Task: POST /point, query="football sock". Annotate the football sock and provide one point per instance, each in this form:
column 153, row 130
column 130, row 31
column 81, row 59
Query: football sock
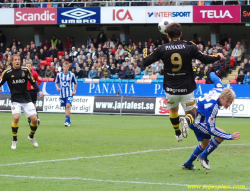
column 212, row 145
column 198, row 150
column 33, row 128
column 174, row 118
column 14, row 130
column 190, row 118
column 67, row 118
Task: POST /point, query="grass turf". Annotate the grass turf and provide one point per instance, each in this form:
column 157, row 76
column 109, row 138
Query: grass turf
column 98, row 155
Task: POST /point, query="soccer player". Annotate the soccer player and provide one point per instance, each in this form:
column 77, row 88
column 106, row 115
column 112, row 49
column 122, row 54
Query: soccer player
column 179, row 83
column 31, row 90
column 67, row 90
column 17, row 78
column 204, row 125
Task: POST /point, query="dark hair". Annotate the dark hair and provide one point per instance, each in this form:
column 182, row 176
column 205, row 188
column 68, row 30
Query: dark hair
column 174, row 30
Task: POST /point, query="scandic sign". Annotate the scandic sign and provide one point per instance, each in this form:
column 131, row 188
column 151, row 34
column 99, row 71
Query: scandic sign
column 217, row 14
column 37, row 16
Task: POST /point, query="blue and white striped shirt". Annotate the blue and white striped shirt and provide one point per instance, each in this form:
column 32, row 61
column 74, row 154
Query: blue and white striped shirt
column 208, row 107
column 67, row 82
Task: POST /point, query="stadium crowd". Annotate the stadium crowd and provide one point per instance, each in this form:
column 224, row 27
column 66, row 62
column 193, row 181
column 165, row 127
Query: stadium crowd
column 102, row 57
column 97, row 3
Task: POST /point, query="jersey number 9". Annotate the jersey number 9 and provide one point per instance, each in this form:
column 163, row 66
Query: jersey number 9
column 176, row 60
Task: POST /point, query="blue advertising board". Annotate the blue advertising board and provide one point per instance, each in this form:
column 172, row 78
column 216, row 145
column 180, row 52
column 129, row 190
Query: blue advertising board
column 132, row 89
column 78, row 15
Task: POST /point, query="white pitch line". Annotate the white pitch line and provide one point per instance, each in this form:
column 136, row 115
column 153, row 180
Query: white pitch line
column 110, row 155
column 100, row 180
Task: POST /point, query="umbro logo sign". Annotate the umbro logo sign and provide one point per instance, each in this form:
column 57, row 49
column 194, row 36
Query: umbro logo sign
column 78, row 13
column 78, row 16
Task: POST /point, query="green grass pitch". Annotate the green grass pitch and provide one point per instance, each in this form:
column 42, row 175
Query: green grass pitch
column 110, row 152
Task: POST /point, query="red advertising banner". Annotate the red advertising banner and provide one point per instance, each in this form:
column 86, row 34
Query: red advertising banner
column 217, row 14
column 35, row 16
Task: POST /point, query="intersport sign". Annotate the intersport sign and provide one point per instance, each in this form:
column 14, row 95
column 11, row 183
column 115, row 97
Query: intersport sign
column 217, row 14
column 35, row 16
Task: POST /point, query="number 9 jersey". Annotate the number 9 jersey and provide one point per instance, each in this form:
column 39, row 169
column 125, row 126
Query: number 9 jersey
column 177, row 57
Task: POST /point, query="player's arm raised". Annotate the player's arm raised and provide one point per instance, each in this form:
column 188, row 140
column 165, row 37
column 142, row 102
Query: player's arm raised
column 31, row 79
column 206, row 58
column 150, row 58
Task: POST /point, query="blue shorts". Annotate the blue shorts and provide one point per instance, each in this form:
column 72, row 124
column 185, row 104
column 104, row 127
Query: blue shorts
column 66, row 100
column 199, row 134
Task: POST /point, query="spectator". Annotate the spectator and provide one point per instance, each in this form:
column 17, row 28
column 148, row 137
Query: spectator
column 53, row 51
column 230, row 42
column 198, row 74
column 85, row 72
column 206, row 73
column 217, row 68
column 6, row 4
column 2, row 47
column 130, row 74
column 240, row 77
column 48, row 72
column 101, row 38
column 59, row 45
column 2, row 38
column 247, row 78
column 245, row 43
column 42, row 71
column 54, row 40
column 42, row 54
column 46, row 51
column 246, row 63
column 242, row 68
column 120, row 50
column 36, row 62
column 237, row 53
column 99, row 73
column 200, row 42
column 106, row 73
column 149, row 70
column 73, row 54
column 157, row 68
column 136, row 69
column 113, row 69
column 122, row 73
column 92, row 73
column 78, row 72
column 47, row 43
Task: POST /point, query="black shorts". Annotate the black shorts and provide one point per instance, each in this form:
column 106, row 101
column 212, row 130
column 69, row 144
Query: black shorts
column 33, row 95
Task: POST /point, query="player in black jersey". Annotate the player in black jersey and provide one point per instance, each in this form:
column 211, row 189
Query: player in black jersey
column 179, row 83
column 17, row 78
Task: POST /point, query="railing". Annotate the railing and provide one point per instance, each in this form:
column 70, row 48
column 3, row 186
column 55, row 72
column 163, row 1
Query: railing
column 104, row 3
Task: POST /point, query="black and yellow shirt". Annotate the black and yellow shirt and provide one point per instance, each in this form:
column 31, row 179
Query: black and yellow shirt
column 17, row 82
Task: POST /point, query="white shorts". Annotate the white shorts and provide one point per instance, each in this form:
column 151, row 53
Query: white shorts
column 28, row 108
column 188, row 101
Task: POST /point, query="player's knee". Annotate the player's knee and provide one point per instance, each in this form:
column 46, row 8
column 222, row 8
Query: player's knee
column 16, row 118
column 34, row 119
column 68, row 106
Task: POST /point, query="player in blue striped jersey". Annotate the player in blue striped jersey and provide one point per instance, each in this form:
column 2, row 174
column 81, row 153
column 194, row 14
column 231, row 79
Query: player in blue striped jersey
column 68, row 86
column 204, row 125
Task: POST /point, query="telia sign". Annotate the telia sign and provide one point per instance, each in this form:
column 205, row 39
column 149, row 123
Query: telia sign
column 36, row 16
column 217, row 14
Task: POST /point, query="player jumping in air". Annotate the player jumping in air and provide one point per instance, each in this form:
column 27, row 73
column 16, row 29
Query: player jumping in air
column 179, row 83
column 17, row 78
column 204, row 125
column 67, row 90
column 31, row 90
